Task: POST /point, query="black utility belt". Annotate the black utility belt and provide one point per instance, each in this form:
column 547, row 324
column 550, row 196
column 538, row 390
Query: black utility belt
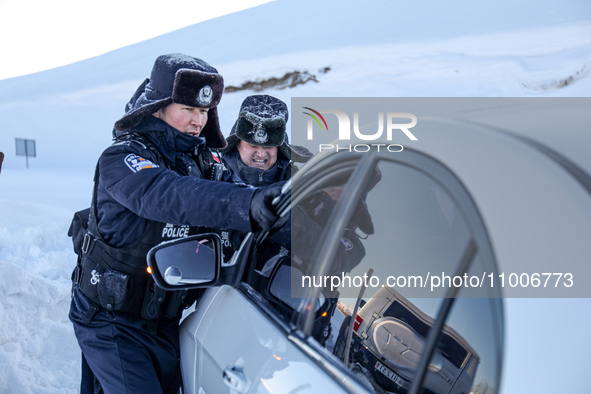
column 111, row 289
column 123, row 292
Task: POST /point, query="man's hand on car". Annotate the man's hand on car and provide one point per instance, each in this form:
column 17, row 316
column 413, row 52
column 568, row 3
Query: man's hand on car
column 262, row 210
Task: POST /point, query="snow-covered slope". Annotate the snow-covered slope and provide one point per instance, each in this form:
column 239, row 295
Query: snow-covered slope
column 296, row 26
column 383, row 49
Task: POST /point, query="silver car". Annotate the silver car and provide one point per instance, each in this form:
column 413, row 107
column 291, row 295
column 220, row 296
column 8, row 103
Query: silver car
column 451, row 224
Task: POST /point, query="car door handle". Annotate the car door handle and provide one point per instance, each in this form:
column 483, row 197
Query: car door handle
column 235, row 379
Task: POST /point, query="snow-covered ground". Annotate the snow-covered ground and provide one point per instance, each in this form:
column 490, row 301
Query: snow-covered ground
column 381, row 48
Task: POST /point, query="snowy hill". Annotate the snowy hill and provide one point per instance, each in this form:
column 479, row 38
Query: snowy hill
column 388, row 49
column 292, row 27
column 379, row 48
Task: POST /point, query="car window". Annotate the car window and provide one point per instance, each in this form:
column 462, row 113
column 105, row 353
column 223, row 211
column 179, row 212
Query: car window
column 477, row 322
column 403, row 235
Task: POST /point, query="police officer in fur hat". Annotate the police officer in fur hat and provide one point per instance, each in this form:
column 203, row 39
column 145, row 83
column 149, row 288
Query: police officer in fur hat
column 156, row 176
column 258, row 153
column 258, row 149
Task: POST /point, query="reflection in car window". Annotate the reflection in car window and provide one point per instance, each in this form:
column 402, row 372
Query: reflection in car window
column 449, row 347
column 405, row 228
column 481, row 327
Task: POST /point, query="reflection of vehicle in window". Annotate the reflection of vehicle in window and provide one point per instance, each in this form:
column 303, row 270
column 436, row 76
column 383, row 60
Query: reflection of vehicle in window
column 389, row 335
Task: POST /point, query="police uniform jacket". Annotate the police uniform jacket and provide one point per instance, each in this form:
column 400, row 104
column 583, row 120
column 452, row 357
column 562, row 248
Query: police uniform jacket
column 137, row 186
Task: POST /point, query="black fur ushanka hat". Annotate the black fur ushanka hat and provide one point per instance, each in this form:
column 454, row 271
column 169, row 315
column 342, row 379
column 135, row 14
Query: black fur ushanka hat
column 182, row 79
column 262, row 122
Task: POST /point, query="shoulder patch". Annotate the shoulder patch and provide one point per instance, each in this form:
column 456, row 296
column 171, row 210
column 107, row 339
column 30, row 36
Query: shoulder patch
column 136, row 163
column 347, row 243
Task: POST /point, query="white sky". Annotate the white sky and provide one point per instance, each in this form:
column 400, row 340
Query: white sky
column 36, row 35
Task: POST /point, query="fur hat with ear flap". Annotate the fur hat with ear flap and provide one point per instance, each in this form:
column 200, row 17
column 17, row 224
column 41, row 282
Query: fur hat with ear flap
column 182, row 79
column 262, row 122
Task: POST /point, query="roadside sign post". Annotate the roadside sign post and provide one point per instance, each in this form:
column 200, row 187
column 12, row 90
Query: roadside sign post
column 25, row 147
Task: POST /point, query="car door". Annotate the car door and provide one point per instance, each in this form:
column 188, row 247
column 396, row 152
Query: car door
column 239, row 349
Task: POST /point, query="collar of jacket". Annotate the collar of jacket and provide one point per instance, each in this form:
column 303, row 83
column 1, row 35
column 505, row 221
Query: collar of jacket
column 256, row 176
column 169, row 141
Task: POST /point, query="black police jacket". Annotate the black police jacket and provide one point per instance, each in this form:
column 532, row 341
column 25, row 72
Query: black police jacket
column 138, row 186
column 149, row 188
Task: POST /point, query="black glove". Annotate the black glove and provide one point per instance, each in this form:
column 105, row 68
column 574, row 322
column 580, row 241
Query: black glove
column 261, row 207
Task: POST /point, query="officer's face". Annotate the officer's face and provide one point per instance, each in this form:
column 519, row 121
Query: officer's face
column 257, row 156
column 184, row 118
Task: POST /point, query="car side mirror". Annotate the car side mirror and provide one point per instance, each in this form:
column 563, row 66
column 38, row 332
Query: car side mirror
column 186, row 263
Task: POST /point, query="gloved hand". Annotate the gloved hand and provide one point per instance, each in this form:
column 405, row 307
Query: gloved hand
column 261, row 206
